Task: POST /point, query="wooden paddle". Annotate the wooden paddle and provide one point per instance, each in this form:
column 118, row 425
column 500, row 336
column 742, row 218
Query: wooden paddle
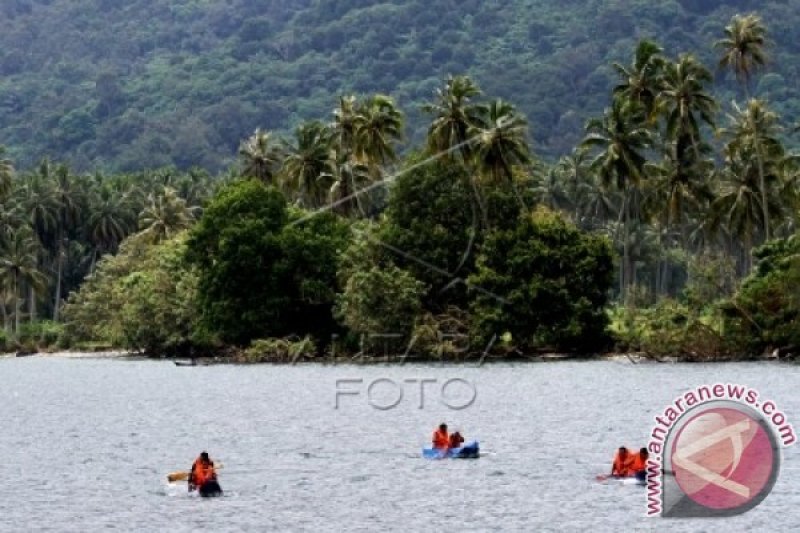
column 172, row 477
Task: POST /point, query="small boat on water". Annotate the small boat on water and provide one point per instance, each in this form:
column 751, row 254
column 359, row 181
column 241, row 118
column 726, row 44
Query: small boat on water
column 210, row 489
column 639, row 479
column 468, row 451
column 193, row 362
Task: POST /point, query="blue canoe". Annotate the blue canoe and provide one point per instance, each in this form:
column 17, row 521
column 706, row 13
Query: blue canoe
column 468, row 451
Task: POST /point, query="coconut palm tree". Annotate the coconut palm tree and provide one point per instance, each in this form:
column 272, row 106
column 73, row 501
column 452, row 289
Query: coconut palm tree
column 455, row 117
column 19, row 269
column 600, row 205
column 743, row 47
column 737, row 208
column 36, row 198
column 68, row 196
column 260, row 156
column 641, row 81
column 348, row 180
column 308, row 166
column 549, row 190
column 573, row 172
column 620, row 138
column 165, row 215
column 111, row 218
column 346, row 120
column 501, row 142
column 753, row 131
column 379, row 127
column 685, row 104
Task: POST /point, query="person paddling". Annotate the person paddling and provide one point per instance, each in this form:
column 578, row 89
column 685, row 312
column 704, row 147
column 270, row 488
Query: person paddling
column 621, row 466
column 638, row 465
column 202, row 472
column 456, row 440
column 441, row 440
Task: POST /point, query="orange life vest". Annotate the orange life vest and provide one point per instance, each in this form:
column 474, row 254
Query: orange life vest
column 441, row 440
column 622, row 467
column 202, row 472
column 638, row 464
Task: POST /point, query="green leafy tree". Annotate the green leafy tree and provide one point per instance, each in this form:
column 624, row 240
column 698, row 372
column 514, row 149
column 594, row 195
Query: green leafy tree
column 765, row 313
column 546, row 283
column 379, row 302
column 259, row 276
column 142, row 299
column 432, row 229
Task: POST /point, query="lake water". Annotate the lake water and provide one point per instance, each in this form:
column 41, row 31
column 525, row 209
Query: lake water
column 86, row 445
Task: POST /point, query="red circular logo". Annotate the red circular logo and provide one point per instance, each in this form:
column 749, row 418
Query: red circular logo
column 723, row 458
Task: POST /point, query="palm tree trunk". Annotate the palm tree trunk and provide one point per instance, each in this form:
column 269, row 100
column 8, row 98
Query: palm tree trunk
column 748, row 254
column 16, row 306
column 6, row 321
column 625, row 249
column 762, row 184
column 31, row 304
column 59, row 268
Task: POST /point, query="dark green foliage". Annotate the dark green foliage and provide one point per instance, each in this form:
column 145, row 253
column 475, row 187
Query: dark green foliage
column 381, row 303
column 766, row 310
column 433, row 229
column 544, row 282
column 259, row 276
column 158, row 82
column 142, row 299
column 436, row 219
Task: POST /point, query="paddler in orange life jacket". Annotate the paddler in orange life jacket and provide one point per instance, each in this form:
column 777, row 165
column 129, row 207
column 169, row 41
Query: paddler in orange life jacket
column 638, row 466
column 441, row 440
column 202, row 472
column 621, row 467
column 456, row 440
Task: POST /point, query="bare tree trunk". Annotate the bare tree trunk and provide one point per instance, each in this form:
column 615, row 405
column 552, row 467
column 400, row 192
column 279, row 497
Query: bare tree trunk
column 764, row 204
column 31, row 304
column 59, row 268
column 6, row 318
column 626, row 274
column 17, row 306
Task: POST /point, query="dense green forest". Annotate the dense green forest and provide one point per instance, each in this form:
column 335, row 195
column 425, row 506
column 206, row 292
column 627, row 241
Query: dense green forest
column 670, row 227
column 119, row 86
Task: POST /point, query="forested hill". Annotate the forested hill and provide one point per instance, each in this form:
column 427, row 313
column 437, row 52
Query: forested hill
column 139, row 83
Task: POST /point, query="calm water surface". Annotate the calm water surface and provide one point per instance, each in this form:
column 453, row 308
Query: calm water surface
column 86, row 445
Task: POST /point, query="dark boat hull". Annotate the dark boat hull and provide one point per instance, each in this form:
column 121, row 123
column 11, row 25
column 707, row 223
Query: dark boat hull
column 210, row 489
